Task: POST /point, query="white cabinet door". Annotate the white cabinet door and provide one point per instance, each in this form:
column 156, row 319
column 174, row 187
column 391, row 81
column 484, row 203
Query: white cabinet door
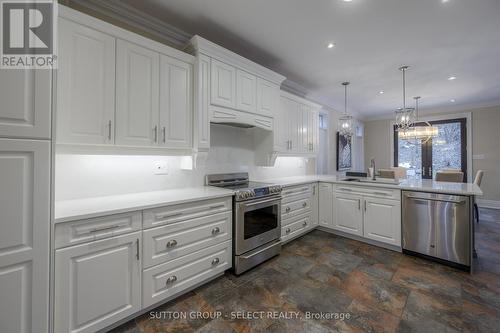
column 175, row 103
column 326, row 205
column 315, row 204
column 24, row 235
column 223, row 84
column 25, row 103
column 313, row 131
column 382, row 220
column 202, row 100
column 294, row 121
column 85, row 85
column 246, row 86
column 97, row 283
column 281, row 143
column 268, row 95
column 304, row 129
column 348, row 215
column 137, row 99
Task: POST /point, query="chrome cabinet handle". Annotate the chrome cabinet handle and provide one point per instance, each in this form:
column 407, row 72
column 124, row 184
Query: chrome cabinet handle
column 314, row 190
column 423, row 171
column 171, row 280
column 104, row 228
column 215, row 231
column 287, row 230
column 163, row 130
column 137, row 249
column 365, row 205
column 155, row 129
column 304, row 204
column 304, row 224
column 171, row 243
column 109, row 130
column 359, row 204
column 215, row 262
column 380, row 193
column 287, row 209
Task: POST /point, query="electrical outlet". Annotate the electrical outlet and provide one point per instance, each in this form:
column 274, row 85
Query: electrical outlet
column 160, row 168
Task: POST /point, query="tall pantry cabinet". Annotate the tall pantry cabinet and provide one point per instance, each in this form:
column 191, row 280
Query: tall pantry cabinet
column 25, row 162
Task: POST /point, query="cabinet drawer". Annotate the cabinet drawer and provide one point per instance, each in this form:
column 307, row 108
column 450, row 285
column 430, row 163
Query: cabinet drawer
column 296, row 227
column 169, row 242
column 171, row 278
column 176, row 213
column 386, row 193
column 296, row 207
column 77, row 232
column 291, row 192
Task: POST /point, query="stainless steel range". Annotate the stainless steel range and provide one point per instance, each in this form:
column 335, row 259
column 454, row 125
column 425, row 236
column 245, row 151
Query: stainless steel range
column 256, row 219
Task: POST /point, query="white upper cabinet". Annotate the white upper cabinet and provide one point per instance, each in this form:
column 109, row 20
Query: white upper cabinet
column 246, row 86
column 24, row 235
column 223, row 84
column 86, row 85
column 268, row 95
column 108, row 88
column 202, row 100
column 25, row 107
column 301, row 135
column 137, row 95
column 175, row 103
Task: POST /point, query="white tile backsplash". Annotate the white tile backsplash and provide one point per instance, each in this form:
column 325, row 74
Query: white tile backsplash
column 83, row 176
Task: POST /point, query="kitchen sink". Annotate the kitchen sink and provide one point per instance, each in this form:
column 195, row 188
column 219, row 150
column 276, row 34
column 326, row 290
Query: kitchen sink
column 368, row 180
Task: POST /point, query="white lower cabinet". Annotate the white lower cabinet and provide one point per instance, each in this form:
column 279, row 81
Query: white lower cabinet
column 295, row 227
column 348, row 216
column 325, row 205
column 383, row 220
column 299, row 207
column 97, row 283
column 167, row 280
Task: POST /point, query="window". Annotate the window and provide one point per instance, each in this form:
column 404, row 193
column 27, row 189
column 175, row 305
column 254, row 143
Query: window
column 446, row 151
column 323, row 121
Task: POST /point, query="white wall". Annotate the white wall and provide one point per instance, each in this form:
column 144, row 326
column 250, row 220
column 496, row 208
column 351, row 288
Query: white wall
column 81, row 176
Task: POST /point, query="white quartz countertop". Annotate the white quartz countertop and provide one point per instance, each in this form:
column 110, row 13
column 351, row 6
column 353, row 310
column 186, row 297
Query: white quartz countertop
column 77, row 209
column 424, row 185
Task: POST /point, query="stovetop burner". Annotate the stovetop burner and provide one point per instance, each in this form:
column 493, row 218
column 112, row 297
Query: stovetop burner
column 244, row 189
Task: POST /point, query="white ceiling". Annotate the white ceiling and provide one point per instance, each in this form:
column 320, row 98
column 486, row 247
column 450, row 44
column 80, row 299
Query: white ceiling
column 373, row 38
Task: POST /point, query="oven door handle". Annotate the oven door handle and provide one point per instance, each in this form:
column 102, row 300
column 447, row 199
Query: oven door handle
column 245, row 204
column 260, row 251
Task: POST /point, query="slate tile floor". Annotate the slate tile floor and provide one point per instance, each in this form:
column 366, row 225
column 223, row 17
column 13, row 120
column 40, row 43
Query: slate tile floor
column 382, row 290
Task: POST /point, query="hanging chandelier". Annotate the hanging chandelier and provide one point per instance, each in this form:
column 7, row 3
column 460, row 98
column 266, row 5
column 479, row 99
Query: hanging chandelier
column 345, row 121
column 405, row 117
column 422, row 132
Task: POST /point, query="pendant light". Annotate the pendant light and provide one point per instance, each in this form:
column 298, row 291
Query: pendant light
column 405, row 117
column 422, row 132
column 345, row 121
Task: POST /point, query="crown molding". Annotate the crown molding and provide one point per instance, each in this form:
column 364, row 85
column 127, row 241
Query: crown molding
column 129, row 15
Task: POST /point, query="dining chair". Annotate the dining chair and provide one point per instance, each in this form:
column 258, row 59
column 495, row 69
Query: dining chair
column 477, row 181
column 386, row 173
column 455, row 177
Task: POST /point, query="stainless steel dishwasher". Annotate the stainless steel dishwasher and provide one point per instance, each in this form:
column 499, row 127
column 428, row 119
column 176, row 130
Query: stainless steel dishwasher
column 438, row 226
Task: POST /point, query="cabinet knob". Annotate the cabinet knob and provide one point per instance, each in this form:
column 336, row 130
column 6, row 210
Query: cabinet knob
column 215, row 261
column 304, row 204
column 171, row 243
column 171, row 280
column 287, row 230
column 215, row 231
column 304, row 224
column 287, row 209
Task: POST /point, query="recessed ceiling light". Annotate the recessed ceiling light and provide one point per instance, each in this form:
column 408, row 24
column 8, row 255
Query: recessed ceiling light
column 452, row 100
column 451, row 78
column 381, row 92
column 331, row 45
column 347, row 0
column 445, row 1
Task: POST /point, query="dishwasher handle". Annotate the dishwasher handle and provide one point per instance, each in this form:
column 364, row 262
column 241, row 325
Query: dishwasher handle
column 415, row 197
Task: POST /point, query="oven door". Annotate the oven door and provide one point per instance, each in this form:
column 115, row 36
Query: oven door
column 257, row 222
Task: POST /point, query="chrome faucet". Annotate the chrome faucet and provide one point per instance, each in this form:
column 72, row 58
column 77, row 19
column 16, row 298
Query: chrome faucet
column 372, row 165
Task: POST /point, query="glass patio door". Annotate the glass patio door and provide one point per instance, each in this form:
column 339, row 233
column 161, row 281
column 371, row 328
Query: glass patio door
column 423, row 158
